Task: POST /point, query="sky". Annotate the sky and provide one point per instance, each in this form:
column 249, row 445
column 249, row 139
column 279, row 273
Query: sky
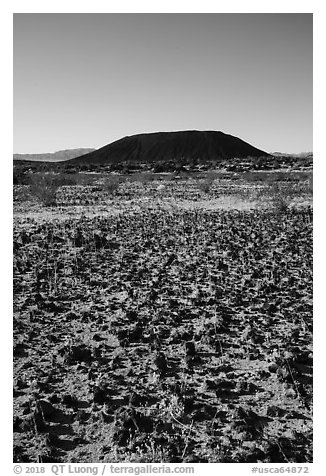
column 85, row 80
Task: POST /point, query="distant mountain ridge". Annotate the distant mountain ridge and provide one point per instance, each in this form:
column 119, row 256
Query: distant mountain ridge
column 164, row 146
column 59, row 156
column 308, row 155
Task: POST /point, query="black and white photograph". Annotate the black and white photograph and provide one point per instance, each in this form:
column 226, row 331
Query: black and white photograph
column 163, row 238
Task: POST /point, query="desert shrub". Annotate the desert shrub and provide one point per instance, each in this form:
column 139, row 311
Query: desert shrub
column 164, row 166
column 285, row 192
column 272, row 177
column 205, row 184
column 19, row 177
column 44, row 186
column 280, row 203
column 111, row 183
column 142, row 177
column 256, row 176
column 279, row 196
column 158, row 168
column 71, row 170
